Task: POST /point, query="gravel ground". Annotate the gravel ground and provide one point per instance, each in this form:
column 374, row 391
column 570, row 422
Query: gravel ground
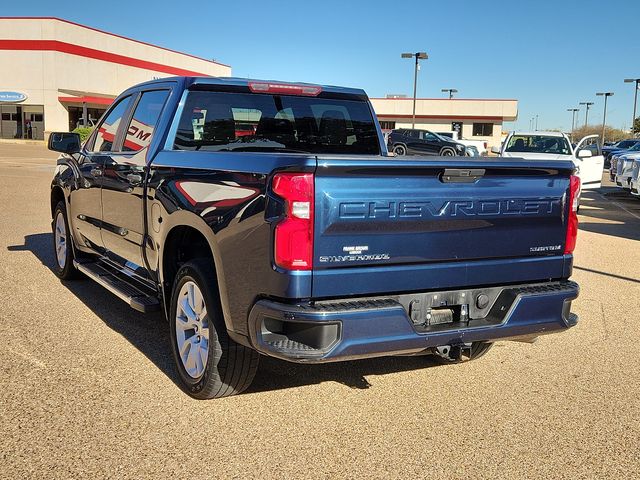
column 87, row 386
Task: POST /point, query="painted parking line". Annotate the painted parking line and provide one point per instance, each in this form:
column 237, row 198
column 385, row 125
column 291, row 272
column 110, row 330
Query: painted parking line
column 619, row 205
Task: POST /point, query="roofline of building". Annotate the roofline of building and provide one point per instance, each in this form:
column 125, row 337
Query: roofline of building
column 448, row 117
column 452, row 99
column 116, row 35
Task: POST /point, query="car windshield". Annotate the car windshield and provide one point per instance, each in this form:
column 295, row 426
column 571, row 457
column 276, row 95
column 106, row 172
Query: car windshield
column 250, row 122
column 538, row 144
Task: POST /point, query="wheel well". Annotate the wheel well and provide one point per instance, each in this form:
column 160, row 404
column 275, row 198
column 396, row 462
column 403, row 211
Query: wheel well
column 57, row 195
column 182, row 245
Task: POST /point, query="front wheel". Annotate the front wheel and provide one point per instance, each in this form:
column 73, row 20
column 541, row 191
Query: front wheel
column 209, row 363
column 447, row 152
column 62, row 247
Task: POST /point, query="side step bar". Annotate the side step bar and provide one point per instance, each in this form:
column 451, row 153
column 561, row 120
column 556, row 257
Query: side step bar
column 120, row 285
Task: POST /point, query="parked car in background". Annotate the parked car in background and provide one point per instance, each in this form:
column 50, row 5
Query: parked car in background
column 471, row 151
column 586, row 156
column 408, row 141
column 615, row 164
column 635, row 178
column 626, row 144
column 624, row 169
column 479, row 145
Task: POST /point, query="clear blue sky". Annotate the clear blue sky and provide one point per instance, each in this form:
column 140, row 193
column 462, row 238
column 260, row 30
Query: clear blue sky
column 549, row 55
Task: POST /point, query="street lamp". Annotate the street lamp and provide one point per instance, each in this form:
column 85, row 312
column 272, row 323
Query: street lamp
column 635, row 100
column 536, row 123
column 418, row 56
column 604, row 117
column 451, row 92
column 586, row 114
column 573, row 119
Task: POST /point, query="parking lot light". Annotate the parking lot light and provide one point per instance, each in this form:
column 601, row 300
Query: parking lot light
column 451, row 92
column 418, row 56
column 573, row 119
column 586, row 114
column 604, row 117
column 635, row 81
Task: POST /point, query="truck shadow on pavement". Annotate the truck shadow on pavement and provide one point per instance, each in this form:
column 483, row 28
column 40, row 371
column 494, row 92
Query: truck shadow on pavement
column 612, row 220
column 148, row 333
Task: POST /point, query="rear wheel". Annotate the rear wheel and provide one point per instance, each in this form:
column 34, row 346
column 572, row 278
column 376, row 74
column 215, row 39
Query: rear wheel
column 209, row 363
column 400, row 150
column 62, row 248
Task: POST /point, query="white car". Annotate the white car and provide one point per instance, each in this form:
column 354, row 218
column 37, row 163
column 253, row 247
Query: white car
column 624, row 168
column 635, row 178
column 586, row 156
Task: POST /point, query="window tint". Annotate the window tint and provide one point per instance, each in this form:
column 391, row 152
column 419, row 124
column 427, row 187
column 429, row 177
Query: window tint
column 144, row 120
column 243, row 122
column 430, row 137
column 107, row 131
column 482, row 129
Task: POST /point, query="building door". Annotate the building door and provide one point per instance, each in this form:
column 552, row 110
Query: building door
column 457, row 127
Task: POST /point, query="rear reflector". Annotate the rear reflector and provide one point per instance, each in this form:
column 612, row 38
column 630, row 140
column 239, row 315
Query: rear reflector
column 294, row 234
column 572, row 220
column 285, row 88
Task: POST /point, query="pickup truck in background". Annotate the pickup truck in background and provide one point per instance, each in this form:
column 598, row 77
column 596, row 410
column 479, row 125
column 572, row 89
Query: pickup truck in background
column 268, row 218
column 479, row 145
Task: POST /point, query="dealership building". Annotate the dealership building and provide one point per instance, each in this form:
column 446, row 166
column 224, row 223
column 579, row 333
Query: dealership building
column 472, row 118
column 57, row 75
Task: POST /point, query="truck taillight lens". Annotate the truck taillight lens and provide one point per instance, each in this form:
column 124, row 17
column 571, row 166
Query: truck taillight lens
column 294, row 234
column 572, row 221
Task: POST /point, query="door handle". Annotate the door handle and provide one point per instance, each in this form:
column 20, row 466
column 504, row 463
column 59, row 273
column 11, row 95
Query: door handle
column 134, row 178
column 96, row 172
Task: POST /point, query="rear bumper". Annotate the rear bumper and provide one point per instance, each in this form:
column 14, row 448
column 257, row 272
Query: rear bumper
column 335, row 331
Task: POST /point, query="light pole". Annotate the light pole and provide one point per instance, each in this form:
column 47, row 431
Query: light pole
column 604, row 117
column 451, row 92
column 636, row 81
column 586, row 113
column 573, row 119
column 418, row 56
column 536, row 123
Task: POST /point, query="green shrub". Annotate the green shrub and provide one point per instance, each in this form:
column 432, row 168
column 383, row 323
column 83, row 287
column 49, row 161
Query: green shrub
column 84, row 132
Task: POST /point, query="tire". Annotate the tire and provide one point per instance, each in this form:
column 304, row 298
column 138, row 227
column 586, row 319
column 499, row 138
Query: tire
column 400, row 150
column 478, row 349
column 220, row 368
column 447, row 152
column 62, row 244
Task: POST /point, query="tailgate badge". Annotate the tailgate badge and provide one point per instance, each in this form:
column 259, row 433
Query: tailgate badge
column 355, row 249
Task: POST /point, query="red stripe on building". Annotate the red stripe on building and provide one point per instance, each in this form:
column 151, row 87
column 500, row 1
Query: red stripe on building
column 86, row 52
column 450, row 117
column 98, row 100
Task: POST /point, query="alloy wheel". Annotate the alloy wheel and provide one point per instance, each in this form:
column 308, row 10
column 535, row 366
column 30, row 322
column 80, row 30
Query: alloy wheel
column 192, row 330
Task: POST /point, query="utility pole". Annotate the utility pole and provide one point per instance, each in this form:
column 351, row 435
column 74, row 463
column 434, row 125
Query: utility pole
column 418, row 56
column 586, row 114
column 604, row 116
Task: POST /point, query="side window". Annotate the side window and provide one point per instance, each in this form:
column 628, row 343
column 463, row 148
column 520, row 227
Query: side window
column 144, row 120
column 429, row 137
column 108, row 129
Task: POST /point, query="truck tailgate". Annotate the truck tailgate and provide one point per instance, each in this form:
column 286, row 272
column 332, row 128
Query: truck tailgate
column 385, row 225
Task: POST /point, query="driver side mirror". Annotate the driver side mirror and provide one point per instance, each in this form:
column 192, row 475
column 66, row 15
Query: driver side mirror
column 64, row 142
column 495, row 150
column 584, row 153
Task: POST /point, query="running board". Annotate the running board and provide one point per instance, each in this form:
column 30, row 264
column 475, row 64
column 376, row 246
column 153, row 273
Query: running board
column 120, row 285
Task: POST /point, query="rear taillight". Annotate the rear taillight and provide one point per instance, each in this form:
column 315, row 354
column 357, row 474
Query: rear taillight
column 294, row 234
column 572, row 220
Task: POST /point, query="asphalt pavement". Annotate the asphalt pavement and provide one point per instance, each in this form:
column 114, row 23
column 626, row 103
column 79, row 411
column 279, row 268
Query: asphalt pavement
column 88, row 388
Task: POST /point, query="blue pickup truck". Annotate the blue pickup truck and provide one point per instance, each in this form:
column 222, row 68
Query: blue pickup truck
column 268, row 218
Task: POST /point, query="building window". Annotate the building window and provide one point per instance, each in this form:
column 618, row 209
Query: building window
column 482, row 129
column 387, row 125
